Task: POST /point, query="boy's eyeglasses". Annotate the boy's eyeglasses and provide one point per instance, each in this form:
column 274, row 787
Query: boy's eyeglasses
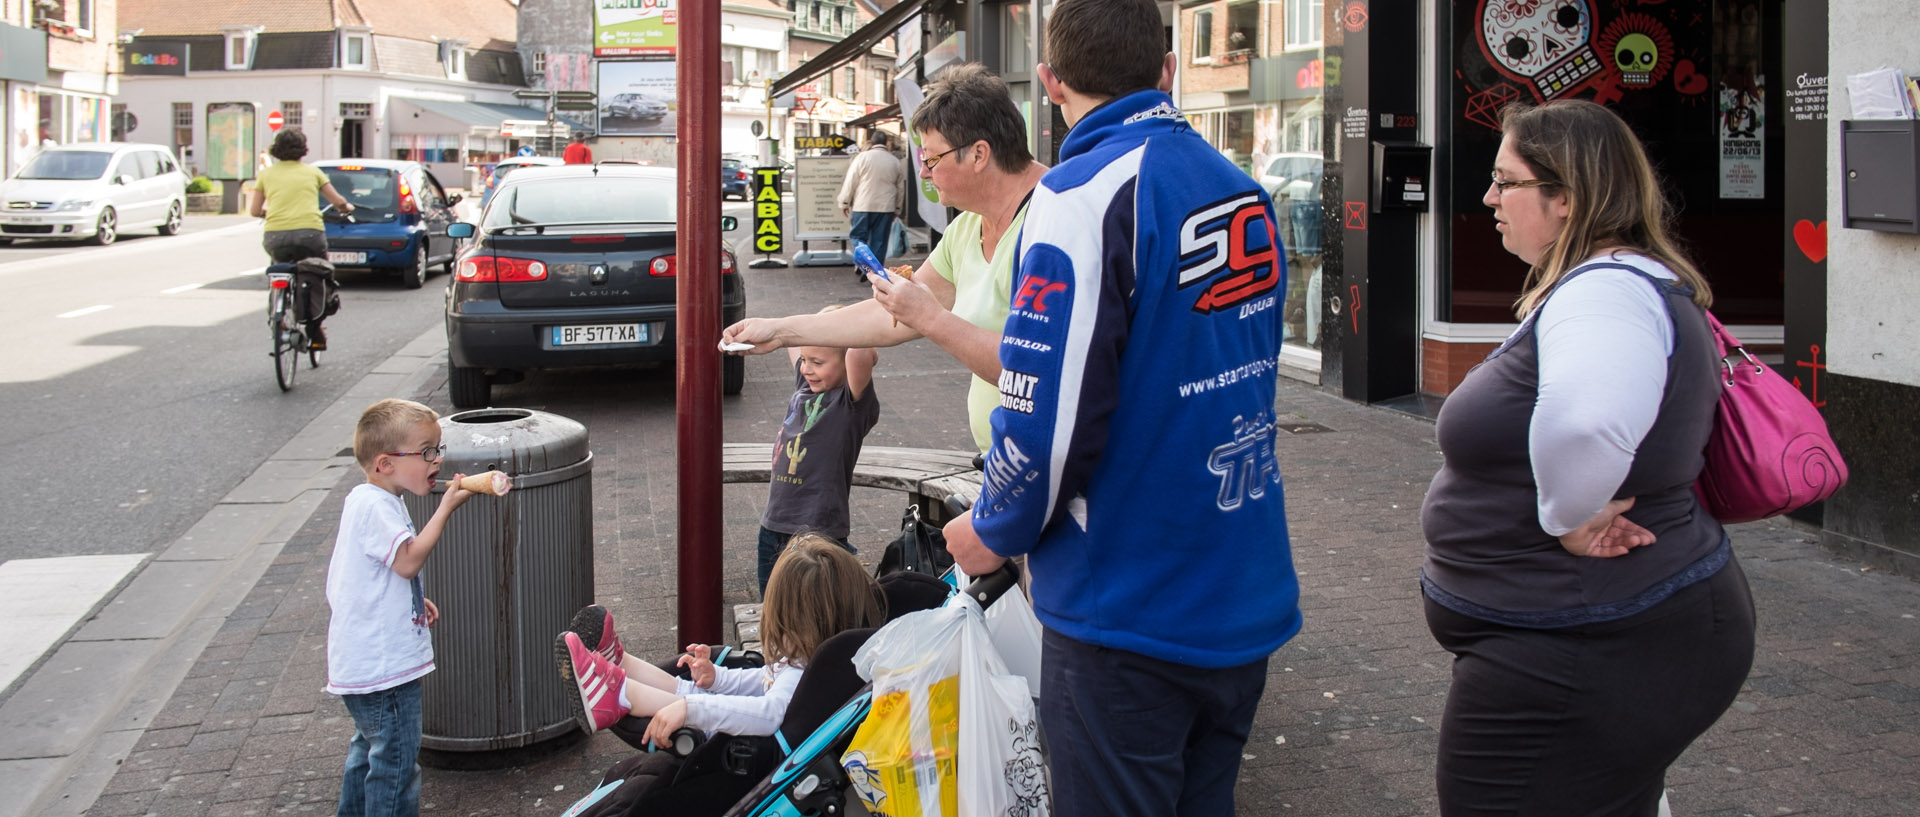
column 1505, row 185
column 430, row 454
column 931, row 161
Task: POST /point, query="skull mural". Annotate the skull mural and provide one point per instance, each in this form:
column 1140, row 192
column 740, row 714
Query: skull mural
column 1642, row 49
column 1546, row 44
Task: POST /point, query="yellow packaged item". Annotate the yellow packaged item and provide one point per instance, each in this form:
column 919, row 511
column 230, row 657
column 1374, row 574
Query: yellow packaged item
column 888, row 774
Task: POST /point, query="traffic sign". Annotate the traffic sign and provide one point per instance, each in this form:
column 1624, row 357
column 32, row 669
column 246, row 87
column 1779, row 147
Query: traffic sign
column 531, row 94
column 574, row 105
column 275, row 120
column 575, row 95
column 525, row 150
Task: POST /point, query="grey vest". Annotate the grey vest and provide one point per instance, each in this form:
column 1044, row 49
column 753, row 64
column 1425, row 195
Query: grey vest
column 1487, row 555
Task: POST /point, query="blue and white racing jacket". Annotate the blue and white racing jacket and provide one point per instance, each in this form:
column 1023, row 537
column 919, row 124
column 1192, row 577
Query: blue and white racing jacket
column 1133, row 448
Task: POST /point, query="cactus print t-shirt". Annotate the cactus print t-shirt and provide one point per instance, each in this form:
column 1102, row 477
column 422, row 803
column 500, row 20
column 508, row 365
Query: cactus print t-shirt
column 813, row 460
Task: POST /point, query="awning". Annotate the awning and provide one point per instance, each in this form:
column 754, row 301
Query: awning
column 487, row 115
column 882, row 115
column 854, row 45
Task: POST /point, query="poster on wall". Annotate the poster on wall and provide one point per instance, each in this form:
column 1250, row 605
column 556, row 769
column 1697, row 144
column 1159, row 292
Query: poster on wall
column 635, row 28
column 928, row 202
column 230, row 140
column 1740, row 99
column 637, row 98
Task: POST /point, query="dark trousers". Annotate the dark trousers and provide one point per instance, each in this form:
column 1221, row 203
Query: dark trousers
column 1585, row 720
column 1133, row 736
column 771, row 543
column 288, row 246
column 874, row 229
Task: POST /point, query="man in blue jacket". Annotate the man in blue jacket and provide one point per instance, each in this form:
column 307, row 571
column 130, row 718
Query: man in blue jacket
column 1133, row 448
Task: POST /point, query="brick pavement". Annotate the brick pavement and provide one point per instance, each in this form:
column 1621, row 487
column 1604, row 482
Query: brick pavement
column 1829, row 723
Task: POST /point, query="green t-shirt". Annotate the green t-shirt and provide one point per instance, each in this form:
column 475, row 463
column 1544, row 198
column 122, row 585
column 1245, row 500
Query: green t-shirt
column 981, row 288
column 293, row 195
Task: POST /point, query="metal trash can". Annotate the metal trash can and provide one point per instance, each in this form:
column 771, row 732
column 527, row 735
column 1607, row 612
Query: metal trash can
column 508, row 574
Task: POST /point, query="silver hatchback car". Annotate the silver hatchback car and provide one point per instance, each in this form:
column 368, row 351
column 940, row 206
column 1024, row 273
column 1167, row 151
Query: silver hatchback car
column 93, row 190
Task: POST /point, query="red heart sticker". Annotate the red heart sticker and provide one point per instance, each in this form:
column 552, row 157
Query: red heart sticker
column 1687, row 78
column 1812, row 239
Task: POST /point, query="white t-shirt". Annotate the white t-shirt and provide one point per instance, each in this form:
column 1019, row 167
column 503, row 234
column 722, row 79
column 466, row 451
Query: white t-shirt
column 377, row 636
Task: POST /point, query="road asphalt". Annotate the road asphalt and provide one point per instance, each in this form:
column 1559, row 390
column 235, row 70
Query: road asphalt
column 197, row 689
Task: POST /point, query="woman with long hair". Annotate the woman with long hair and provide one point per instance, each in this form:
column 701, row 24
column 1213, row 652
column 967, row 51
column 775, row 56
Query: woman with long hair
column 1598, row 618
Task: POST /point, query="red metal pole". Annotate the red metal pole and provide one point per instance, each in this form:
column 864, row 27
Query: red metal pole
column 698, row 314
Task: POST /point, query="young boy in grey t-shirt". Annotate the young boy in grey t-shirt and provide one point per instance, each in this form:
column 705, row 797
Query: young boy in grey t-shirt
column 832, row 409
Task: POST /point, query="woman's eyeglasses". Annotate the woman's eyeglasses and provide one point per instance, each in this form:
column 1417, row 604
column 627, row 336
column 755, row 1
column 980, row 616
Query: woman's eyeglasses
column 1505, row 185
column 930, row 161
column 430, row 454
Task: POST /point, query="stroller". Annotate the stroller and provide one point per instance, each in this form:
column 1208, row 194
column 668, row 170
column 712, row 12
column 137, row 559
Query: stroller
column 795, row 771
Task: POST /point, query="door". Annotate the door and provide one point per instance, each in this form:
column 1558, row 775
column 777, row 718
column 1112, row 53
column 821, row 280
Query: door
column 127, row 184
column 437, row 214
column 353, row 139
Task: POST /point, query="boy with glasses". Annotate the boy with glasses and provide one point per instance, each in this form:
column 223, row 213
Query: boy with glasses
column 378, row 647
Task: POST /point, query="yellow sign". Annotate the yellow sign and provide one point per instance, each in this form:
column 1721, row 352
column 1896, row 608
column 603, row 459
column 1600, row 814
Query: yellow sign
column 834, row 142
column 766, row 210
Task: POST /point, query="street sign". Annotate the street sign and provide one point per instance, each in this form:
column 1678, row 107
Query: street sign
column 531, row 94
column 831, row 142
column 575, row 95
column 275, row 120
column 525, row 150
column 574, row 105
column 756, row 127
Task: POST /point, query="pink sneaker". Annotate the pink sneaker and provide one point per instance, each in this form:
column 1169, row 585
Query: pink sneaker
column 602, row 701
column 594, row 625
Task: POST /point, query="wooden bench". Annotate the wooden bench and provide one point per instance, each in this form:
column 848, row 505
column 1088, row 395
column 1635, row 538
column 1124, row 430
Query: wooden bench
column 927, row 476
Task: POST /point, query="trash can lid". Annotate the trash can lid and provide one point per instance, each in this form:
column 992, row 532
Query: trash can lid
column 518, row 441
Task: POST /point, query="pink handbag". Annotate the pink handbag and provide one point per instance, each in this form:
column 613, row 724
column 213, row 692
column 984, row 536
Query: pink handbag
column 1770, row 452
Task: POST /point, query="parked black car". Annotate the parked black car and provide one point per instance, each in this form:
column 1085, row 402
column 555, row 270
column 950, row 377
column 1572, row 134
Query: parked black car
column 573, row 266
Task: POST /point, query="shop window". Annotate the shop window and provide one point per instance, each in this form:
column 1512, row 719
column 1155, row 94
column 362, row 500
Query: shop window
column 1303, row 23
column 1202, row 35
column 1243, row 27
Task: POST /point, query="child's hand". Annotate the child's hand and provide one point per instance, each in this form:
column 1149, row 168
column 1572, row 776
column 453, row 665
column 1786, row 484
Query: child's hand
column 455, row 495
column 699, row 664
column 433, row 612
column 665, row 722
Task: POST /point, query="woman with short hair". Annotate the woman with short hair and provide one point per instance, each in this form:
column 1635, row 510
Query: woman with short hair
column 287, row 194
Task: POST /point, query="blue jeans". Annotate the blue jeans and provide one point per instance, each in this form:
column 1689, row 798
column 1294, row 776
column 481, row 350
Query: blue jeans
column 1133, row 736
column 381, row 778
column 875, row 229
column 771, row 543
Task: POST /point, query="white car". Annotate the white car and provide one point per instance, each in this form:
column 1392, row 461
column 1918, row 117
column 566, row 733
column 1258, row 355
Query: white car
column 93, row 190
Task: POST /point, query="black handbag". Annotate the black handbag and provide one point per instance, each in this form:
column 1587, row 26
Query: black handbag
column 920, row 548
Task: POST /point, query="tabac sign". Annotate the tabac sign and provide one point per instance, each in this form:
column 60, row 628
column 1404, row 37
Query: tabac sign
column 766, row 210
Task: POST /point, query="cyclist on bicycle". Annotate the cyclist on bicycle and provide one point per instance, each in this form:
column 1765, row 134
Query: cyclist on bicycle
column 287, row 194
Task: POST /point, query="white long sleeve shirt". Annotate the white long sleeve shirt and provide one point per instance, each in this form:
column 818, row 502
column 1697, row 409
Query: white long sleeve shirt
column 1603, row 340
column 742, row 701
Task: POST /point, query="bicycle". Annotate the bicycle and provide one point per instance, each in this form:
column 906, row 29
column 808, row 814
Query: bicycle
column 287, row 298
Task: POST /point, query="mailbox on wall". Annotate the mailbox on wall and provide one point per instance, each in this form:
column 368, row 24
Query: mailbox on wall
column 1880, row 175
column 1402, row 176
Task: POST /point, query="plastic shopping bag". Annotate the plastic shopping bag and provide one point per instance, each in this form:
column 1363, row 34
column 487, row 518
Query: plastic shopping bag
column 951, row 734
column 1015, row 632
column 897, row 239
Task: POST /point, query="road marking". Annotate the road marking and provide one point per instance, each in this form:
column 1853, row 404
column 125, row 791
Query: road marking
column 86, row 311
column 104, row 254
column 41, row 599
column 179, row 289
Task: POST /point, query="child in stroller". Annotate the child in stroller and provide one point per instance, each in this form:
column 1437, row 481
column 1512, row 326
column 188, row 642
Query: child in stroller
column 817, row 590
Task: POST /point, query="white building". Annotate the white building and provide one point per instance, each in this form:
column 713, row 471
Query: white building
column 371, row 78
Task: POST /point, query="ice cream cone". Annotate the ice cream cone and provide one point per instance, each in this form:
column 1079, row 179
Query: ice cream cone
column 492, row 483
column 905, row 272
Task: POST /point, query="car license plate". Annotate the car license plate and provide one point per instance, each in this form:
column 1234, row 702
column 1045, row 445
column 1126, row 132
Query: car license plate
column 21, row 219
column 346, row 257
column 599, row 334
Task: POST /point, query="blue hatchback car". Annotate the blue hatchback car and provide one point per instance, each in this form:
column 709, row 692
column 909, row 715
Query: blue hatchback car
column 400, row 219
